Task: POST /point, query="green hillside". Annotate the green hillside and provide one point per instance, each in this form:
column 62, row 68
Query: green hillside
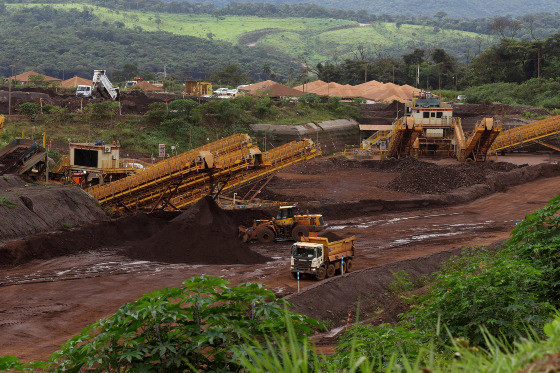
column 227, row 28
column 67, row 42
column 453, row 8
column 315, row 39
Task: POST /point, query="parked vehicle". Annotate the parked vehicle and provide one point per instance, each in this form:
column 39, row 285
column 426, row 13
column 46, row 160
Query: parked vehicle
column 221, row 91
column 83, row 91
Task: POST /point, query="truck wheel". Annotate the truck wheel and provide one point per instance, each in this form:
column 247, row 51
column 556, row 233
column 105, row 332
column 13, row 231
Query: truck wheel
column 330, row 270
column 265, row 235
column 321, row 274
column 348, row 265
column 299, row 232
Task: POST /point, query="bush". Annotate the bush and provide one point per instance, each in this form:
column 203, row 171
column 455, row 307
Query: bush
column 264, row 108
column 309, row 100
column 379, row 344
column 29, row 108
column 157, row 113
column 185, row 109
column 102, row 110
column 537, row 239
column 501, row 294
column 199, row 326
column 184, row 106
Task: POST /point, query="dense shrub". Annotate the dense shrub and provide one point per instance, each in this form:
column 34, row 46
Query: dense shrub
column 197, row 327
column 29, row 108
column 534, row 92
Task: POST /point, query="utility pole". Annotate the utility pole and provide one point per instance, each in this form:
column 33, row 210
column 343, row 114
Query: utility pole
column 393, row 74
column 15, row 66
column 539, row 61
column 10, row 92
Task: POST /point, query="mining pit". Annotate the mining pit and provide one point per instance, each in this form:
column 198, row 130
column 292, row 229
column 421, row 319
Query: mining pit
column 52, row 284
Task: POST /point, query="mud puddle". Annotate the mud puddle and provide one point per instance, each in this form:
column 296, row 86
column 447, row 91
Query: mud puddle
column 371, row 223
column 108, row 262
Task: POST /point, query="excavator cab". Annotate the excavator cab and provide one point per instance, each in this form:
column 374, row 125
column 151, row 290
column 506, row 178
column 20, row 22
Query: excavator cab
column 285, row 216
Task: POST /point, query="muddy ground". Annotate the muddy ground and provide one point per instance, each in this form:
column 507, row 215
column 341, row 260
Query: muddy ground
column 132, row 102
column 45, row 301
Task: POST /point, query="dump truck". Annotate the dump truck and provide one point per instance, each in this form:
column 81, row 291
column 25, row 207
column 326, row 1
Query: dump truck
column 288, row 225
column 102, row 86
column 318, row 257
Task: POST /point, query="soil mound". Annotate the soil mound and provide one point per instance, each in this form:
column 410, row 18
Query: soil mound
column 331, row 236
column 428, row 178
column 71, row 241
column 203, row 234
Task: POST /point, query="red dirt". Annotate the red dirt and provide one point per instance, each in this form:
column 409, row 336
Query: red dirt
column 547, row 364
column 203, row 234
column 72, row 241
column 45, row 302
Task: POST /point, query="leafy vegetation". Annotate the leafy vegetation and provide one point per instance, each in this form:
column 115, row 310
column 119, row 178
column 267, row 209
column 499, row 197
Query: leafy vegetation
column 183, row 123
column 79, row 42
column 198, row 326
column 455, row 9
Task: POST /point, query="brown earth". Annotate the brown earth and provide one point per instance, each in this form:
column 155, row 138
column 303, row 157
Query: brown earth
column 28, row 208
column 203, row 234
column 132, row 102
column 43, row 302
column 548, row 364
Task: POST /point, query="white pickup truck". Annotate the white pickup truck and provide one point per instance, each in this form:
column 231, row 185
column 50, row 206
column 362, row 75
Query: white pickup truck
column 221, row 91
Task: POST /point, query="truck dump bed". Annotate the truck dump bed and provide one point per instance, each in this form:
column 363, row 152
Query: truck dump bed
column 335, row 249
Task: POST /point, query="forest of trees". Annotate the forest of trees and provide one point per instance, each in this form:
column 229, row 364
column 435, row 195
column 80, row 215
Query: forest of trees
column 530, row 23
column 78, row 41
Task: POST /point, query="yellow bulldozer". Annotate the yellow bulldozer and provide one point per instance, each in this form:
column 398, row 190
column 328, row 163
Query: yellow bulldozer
column 288, row 225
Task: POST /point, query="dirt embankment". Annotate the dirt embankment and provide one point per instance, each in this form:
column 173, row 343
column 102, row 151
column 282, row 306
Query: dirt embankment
column 366, row 291
column 71, row 241
column 132, row 102
column 29, row 208
column 493, row 183
column 204, row 234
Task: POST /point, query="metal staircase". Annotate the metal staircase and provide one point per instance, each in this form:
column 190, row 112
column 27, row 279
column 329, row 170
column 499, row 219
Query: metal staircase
column 404, row 134
column 481, row 139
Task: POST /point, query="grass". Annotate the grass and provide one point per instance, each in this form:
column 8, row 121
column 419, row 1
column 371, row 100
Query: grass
column 287, row 355
column 6, row 202
column 381, row 38
column 134, row 133
column 318, row 39
column 228, row 28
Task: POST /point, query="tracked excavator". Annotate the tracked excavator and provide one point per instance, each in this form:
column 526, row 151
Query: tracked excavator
column 288, row 225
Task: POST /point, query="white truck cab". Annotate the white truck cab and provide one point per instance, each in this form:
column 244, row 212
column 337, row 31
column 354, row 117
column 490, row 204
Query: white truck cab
column 83, row 91
column 306, row 256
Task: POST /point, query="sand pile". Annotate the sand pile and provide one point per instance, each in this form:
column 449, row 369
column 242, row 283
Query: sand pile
column 203, row 234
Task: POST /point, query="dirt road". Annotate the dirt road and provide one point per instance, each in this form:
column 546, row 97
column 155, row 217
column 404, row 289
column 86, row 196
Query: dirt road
column 45, row 302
